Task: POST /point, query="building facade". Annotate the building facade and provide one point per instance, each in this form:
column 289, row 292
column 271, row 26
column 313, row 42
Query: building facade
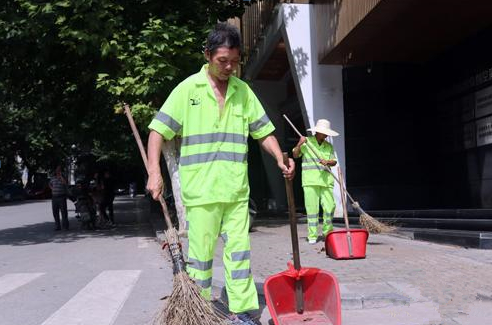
column 407, row 84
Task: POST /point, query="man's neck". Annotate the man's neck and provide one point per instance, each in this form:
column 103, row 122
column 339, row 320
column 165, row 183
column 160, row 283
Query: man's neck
column 219, row 84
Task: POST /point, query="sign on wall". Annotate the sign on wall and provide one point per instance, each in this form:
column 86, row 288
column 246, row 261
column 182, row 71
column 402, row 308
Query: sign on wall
column 483, row 102
column 461, row 106
column 484, row 131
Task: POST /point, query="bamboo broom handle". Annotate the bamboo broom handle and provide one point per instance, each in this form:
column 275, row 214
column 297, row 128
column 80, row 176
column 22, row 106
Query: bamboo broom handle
column 342, row 192
column 128, row 114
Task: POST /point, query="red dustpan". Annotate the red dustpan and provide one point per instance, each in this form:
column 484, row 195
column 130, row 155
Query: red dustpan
column 302, row 295
column 320, row 297
column 346, row 244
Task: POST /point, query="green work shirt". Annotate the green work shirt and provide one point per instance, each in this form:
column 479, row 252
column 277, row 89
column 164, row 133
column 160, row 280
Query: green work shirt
column 213, row 164
column 313, row 173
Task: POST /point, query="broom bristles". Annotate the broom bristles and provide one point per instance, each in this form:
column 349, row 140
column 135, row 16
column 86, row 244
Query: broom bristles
column 374, row 226
column 186, row 305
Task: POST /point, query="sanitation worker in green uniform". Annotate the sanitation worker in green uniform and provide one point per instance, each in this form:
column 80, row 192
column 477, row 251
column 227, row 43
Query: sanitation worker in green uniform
column 317, row 183
column 214, row 112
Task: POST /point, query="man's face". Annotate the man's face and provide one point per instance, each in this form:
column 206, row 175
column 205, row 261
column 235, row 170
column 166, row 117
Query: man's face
column 320, row 136
column 223, row 62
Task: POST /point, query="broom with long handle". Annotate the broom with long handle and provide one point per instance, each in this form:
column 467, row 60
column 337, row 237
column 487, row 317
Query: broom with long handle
column 185, row 305
column 372, row 225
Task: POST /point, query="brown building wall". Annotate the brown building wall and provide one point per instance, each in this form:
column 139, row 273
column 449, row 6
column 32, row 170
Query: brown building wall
column 336, row 19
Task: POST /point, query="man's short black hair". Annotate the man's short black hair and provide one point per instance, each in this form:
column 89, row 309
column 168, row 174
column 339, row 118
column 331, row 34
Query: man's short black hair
column 223, row 35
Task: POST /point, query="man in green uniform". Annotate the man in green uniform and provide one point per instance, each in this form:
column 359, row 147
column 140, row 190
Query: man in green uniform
column 214, row 112
column 317, row 183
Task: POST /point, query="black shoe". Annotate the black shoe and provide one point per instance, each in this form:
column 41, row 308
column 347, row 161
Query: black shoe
column 57, row 228
column 244, row 319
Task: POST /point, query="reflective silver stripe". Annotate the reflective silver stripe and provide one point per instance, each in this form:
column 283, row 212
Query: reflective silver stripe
column 224, row 237
column 312, row 167
column 169, row 121
column 240, row 274
column 204, row 283
column 309, row 160
column 212, row 156
column 240, row 256
column 328, row 214
column 258, row 124
column 199, row 265
column 214, row 137
column 312, row 224
column 187, row 225
column 312, row 216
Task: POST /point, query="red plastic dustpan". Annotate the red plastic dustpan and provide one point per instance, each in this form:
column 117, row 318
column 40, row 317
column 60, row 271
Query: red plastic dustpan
column 321, row 297
column 302, row 295
column 348, row 243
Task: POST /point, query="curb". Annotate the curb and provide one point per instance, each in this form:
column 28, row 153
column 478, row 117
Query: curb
column 365, row 298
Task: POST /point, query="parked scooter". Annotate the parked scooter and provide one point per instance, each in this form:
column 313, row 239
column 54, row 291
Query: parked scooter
column 84, row 206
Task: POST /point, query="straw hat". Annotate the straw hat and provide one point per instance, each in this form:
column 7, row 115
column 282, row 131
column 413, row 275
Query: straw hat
column 323, row 126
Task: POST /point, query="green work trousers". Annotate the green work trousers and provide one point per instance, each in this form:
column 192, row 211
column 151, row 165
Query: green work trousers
column 312, row 197
column 231, row 222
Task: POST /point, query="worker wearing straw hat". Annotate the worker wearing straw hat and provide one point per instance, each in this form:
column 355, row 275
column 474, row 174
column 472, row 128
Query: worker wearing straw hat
column 215, row 112
column 316, row 182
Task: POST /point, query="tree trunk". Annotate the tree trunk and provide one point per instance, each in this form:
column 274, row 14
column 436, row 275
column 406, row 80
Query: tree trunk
column 171, row 152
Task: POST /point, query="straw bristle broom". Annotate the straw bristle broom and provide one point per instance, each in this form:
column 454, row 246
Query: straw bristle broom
column 372, row 225
column 185, row 305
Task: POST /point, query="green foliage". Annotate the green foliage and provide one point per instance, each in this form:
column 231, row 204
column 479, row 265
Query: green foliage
column 150, row 63
column 67, row 66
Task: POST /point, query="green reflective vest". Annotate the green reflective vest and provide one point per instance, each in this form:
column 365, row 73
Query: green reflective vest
column 313, row 173
column 213, row 162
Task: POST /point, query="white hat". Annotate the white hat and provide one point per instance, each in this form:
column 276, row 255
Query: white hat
column 323, row 126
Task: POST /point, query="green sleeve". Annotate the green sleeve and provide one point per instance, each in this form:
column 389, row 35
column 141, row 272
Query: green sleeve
column 259, row 124
column 169, row 119
column 332, row 153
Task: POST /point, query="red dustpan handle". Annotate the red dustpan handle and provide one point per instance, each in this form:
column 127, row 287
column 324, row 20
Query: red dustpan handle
column 294, row 237
column 345, row 216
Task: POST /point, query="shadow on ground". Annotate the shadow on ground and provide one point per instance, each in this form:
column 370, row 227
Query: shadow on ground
column 129, row 222
column 21, row 202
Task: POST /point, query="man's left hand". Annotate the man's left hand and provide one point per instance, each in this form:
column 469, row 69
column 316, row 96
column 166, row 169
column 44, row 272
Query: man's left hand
column 329, row 163
column 289, row 172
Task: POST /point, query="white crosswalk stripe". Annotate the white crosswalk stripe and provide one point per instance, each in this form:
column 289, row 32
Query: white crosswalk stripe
column 12, row 281
column 99, row 302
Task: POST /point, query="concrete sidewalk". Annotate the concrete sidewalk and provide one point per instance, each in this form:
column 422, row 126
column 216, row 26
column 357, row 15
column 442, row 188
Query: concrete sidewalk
column 401, row 281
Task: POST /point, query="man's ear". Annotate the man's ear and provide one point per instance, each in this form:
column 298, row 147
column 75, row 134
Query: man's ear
column 207, row 55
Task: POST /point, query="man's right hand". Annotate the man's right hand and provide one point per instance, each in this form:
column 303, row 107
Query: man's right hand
column 155, row 185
